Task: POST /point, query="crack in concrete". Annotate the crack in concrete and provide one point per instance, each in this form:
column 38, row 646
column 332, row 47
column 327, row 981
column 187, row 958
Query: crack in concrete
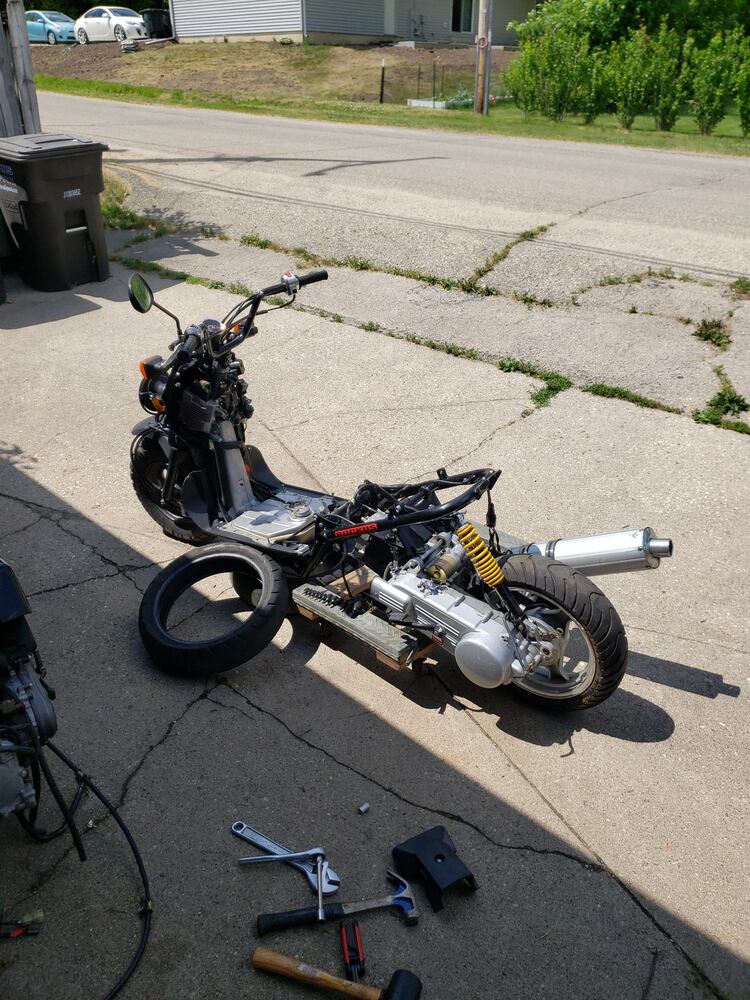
column 651, row 972
column 389, row 789
column 19, row 531
column 291, row 454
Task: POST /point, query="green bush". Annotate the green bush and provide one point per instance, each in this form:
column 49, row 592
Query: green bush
column 629, row 67
column 548, row 76
column 595, row 88
column 741, row 87
column 666, row 80
column 711, row 72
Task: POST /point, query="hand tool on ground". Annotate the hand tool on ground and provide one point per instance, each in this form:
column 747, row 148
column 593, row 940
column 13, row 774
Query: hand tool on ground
column 316, row 854
column 402, row 898
column 354, row 953
column 331, row 880
column 403, row 985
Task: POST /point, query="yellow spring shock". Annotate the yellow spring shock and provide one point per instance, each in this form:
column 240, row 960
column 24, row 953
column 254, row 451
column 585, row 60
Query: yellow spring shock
column 484, row 561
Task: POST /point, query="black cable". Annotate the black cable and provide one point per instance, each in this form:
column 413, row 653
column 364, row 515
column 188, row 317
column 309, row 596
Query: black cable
column 146, row 907
column 57, row 795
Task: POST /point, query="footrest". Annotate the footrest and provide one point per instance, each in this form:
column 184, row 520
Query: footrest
column 391, row 644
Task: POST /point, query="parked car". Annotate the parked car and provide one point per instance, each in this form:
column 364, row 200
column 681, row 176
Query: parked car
column 49, row 26
column 106, row 24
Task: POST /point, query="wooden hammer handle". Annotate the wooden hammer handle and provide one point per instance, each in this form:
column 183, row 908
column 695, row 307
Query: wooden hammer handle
column 282, row 965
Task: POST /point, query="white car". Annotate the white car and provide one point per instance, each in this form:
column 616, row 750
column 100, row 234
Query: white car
column 107, row 24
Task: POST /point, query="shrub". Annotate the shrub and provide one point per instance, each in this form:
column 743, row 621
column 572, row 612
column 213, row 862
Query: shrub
column 629, row 65
column 741, row 86
column 552, row 74
column 595, row 90
column 666, row 81
column 711, row 83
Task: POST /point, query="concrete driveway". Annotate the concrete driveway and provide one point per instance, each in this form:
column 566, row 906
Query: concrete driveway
column 609, row 846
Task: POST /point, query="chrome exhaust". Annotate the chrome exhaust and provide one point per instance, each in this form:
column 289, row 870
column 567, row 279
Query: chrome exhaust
column 615, row 552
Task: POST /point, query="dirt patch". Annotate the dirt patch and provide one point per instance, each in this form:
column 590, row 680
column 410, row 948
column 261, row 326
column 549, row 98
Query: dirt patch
column 268, row 69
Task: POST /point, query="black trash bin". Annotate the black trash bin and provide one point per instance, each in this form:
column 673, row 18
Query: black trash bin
column 158, row 24
column 49, row 199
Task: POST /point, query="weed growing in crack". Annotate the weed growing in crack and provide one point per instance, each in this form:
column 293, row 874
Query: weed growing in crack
column 554, row 382
column 633, row 309
column 616, row 392
column 531, row 300
column 253, row 240
column 358, row 263
column 727, row 403
column 715, row 332
column 500, row 255
column 611, row 279
column 740, row 288
column 370, row 326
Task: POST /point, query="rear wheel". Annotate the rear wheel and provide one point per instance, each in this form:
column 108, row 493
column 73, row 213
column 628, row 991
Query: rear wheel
column 183, row 624
column 586, row 649
column 148, row 467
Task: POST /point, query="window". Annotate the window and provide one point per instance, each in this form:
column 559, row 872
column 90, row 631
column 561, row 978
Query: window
column 97, row 12
column 463, row 15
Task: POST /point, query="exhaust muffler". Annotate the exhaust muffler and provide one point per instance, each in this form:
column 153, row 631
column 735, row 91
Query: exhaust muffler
column 615, row 552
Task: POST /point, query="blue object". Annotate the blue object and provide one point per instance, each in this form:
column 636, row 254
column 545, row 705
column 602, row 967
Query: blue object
column 49, row 26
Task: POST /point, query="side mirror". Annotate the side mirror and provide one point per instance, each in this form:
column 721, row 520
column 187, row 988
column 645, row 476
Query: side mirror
column 140, row 295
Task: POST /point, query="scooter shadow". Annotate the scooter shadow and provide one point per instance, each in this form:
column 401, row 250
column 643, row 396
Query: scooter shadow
column 437, row 684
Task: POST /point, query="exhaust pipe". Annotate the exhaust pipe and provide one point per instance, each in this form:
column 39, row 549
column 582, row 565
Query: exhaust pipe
column 615, row 552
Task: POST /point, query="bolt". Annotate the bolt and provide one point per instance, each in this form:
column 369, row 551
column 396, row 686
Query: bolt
column 365, row 807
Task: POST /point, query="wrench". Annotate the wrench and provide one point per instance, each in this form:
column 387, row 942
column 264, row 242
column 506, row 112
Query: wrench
column 330, row 879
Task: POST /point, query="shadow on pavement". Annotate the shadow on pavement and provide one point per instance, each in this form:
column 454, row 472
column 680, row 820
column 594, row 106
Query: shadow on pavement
column 289, row 744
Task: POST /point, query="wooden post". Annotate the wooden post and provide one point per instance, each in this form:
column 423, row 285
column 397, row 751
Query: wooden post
column 484, row 58
column 19, row 43
column 10, row 113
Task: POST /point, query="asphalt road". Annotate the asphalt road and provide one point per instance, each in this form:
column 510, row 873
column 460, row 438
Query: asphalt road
column 428, row 198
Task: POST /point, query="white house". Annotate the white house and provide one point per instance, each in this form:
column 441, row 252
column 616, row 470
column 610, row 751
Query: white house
column 425, row 22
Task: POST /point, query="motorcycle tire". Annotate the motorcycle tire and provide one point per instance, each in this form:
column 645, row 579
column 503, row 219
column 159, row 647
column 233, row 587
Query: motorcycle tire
column 572, row 596
column 213, row 656
column 148, row 465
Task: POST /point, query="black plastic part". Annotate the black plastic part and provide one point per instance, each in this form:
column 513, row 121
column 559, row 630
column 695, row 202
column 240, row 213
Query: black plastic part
column 13, row 601
column 404, row 985
column 269, row 922
column 431, row 858
column 51, row 187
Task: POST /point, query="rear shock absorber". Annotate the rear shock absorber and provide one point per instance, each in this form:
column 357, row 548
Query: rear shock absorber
column 484, row 562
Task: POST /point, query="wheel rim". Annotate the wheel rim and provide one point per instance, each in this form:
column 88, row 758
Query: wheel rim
column 119, row 34
column 82, row 37
column 570, row 667
column 51, row 38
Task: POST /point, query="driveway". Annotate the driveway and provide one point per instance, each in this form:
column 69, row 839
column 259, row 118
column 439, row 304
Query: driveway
column 609, row 846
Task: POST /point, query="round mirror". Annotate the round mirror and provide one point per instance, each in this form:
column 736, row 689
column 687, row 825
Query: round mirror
column 141, row 296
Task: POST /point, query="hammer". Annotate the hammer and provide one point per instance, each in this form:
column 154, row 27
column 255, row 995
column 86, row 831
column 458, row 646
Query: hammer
column 402, row 986
column 402, row 898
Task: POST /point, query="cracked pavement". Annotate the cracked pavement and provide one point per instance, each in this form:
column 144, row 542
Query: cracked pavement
column 608, row 845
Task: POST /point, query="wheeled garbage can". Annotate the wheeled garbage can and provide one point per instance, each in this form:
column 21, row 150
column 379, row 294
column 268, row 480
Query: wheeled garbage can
column 49, row 199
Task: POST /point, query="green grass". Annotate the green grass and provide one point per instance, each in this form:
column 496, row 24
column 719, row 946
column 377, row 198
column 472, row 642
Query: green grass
column 740, row 288
column 722, row 409
column 504, row 119
column 499, row 256
column 615, row 392
column 554, row 382
column 713, row 331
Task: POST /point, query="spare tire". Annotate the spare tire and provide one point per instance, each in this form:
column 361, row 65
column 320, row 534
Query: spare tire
column 202, row 658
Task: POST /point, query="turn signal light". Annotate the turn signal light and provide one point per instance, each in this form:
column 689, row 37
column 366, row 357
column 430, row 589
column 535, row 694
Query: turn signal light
column 150, row 366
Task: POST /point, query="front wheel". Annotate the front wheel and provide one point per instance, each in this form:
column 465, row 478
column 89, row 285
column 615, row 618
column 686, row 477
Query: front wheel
column 586, row 649
column 51, row 38
column 148, row 467
column 120, row 35
column 83, row 38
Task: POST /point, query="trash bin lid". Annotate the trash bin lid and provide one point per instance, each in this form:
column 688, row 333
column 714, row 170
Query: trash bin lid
column 43, row 146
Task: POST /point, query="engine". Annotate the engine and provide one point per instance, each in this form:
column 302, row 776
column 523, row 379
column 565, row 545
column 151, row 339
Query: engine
column 486, row 646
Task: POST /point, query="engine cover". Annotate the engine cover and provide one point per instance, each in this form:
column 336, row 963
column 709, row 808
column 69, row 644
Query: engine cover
column 479, row 637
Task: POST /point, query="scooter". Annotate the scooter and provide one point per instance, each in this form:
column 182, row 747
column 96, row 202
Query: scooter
column 396, row 566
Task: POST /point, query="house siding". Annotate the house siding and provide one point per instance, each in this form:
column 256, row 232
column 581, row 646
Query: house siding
column 431, row 20
column 347, row 17
column 201, row 18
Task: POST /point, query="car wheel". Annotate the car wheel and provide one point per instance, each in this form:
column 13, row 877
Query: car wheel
column 52, row 38
column 120, row 35
column 83, row 38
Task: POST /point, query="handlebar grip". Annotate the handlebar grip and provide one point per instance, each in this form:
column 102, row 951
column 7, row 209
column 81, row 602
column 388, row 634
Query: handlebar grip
column 269, row 922
column 313, row 276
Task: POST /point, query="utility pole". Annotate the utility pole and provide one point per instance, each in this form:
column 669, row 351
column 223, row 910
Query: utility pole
column 25, row 89
column 484, row 58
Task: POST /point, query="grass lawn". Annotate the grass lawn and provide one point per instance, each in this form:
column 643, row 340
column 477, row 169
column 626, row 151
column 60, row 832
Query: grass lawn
column 504, row 119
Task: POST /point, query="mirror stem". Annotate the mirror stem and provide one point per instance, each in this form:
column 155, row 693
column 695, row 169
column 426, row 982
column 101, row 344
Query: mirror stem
column 172, row 315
